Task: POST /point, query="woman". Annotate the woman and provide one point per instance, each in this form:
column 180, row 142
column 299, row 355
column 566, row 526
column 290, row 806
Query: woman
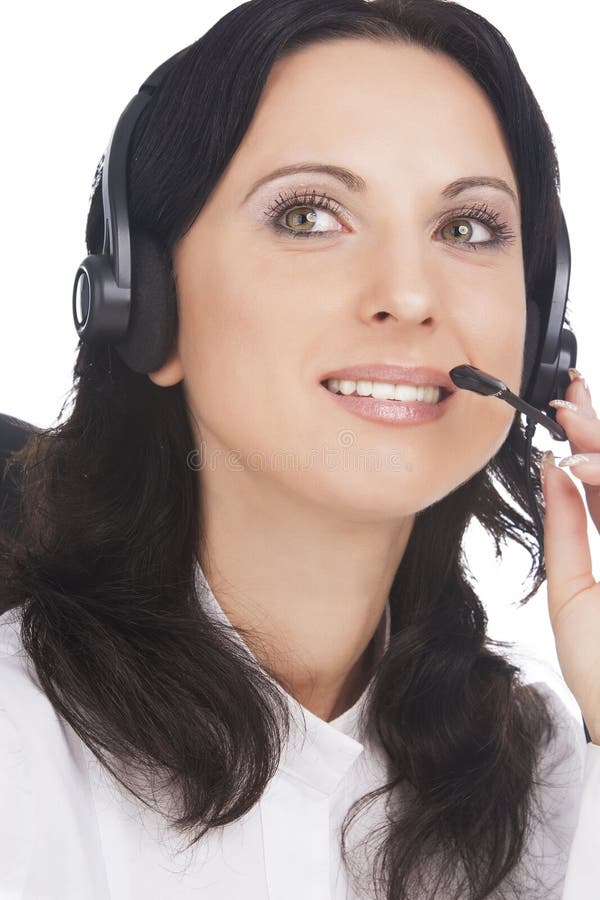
column 238, row 612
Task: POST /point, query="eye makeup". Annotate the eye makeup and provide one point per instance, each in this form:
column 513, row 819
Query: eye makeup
column 309, row 199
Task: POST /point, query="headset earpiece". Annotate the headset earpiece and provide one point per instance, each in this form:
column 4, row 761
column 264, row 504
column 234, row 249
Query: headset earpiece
column 100, row 306
column 153, row 324
column 126, row 295
column 551, row 351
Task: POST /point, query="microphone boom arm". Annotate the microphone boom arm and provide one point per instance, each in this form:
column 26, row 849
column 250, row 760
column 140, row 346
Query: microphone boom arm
column 472, row 379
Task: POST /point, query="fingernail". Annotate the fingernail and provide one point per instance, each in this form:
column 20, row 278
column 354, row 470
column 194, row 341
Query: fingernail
column 574, row 460
column 574, row 373
column 582, row 389
column 546, row 460
column 589, row 413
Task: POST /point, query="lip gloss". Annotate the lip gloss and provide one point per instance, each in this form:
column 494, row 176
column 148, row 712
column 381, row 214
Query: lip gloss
column 391, row 412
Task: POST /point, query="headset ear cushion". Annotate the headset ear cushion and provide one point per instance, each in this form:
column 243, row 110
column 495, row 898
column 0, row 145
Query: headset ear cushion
column 532, row 342
column 153, row 317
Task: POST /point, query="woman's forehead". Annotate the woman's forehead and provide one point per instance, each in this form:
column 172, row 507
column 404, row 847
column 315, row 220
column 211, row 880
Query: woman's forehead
column 353, row 100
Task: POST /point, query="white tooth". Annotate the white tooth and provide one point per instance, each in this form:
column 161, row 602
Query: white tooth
column 383, row 390
column 405, row 392
column 379, row 390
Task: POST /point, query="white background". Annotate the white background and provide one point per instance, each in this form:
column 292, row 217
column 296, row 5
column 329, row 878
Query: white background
column 68, row 70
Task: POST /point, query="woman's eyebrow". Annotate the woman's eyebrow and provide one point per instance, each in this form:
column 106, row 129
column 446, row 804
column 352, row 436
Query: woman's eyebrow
column 357, row 184
column 463, row 184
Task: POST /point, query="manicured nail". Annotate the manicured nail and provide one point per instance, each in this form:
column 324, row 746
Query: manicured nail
column 566, row 403
column 574, row 407
column 575, row 373
column 546, row 460
column 574, row 460
column 583, row 393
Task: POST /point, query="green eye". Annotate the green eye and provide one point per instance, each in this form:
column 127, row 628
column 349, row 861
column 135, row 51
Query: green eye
column 459, row 221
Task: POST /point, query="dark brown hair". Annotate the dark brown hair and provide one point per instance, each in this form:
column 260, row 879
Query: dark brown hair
column 102, row 571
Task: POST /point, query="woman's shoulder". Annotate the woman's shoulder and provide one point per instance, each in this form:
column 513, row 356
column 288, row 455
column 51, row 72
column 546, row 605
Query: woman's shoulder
column 43, row 772
column 570, row 799
column 557, row 790
column 561, row 765
column 23, row 702
column 25, row 711
column 568, row 744
column 18, row 679
column 24, row 707
column 16, row 784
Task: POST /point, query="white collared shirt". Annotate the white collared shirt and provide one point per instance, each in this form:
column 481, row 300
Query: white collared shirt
column 69, row 831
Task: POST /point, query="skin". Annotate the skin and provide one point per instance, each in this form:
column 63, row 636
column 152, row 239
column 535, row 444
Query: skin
column 306, row 553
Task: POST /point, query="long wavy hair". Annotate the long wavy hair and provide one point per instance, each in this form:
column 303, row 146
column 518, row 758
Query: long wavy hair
column 102, row 569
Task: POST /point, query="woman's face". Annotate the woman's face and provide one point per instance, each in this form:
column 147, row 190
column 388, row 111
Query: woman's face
column 389, row 277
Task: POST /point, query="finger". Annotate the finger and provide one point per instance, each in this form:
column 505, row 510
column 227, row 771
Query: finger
column 566, row 548
column 581, row 426
column 585, row 466
column 579, row 392
column 578, row 416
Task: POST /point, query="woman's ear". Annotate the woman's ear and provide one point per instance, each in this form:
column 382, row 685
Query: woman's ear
column 171, row 371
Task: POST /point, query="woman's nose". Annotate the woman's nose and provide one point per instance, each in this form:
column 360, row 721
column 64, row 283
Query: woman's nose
column 400, row 278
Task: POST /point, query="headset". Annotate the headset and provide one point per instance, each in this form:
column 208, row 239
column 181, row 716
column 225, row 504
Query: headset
column 125, row 296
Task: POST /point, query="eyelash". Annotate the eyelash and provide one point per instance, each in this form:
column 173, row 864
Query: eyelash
column 285, row 203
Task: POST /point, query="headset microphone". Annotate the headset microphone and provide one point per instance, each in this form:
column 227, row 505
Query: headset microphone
column 472, row 379
column 469, row 378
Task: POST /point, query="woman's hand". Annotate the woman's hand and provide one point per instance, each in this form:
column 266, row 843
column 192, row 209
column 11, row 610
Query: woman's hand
column 573, row 593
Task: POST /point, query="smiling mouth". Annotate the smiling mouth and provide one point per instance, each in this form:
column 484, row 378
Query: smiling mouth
column 442, row 394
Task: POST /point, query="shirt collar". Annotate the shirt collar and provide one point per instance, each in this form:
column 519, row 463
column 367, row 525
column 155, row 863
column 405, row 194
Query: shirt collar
column 318, row 752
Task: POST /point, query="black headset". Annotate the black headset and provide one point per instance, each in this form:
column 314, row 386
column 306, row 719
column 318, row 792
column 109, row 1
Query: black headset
column 125, row 296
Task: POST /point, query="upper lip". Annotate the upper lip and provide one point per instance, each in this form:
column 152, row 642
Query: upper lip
column 396, row 374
